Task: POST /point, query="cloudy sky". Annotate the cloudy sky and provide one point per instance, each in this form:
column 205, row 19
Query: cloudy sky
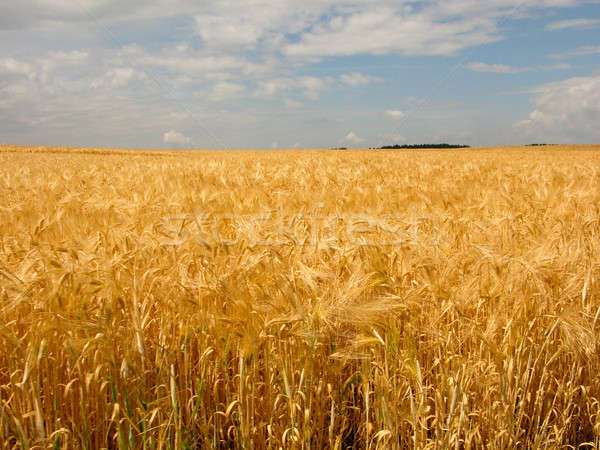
column 291, row 74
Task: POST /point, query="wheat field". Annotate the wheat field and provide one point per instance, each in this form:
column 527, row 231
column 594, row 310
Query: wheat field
column 299, row 299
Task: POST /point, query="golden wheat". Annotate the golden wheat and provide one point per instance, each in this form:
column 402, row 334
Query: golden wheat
column 306, row 299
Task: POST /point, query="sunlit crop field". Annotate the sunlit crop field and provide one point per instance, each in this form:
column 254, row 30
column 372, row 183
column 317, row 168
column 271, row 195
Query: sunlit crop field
column 300, row 299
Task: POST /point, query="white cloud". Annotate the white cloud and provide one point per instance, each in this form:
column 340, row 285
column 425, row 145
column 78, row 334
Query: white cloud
column 312, row 86
column 433, row 27
column 181, row 59
column 561, row 66
column 274, row 28
column 222, row 31
column 387, row 30
column 122, row 76
column 291, row 103
column 12, row 66
column 356, row 79
column 503, row 68
column 176, row 139
column 573, row 23
column 352, row 138
column 118, row 77
column 377, row 26
column 410, row 28
column 270, row 88
column 308, row 86
column 568, row 110
column 257, row 23
column 259, row 14
column 395, row 114
column 225, row 90
column 581, row 51
column 496, row 68
column 182, row 66
column 193, row 64
column 60, row 57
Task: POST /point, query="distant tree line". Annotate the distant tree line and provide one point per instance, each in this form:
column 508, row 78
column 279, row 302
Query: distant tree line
column 420, row 146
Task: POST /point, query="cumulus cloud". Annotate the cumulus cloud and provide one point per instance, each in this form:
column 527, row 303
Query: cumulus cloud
column 312, row 86
column 176, row 139
column 395, row 114
column 271, row 88
column 568, row 110
column 191, row 62
column 222, row 31
column 118, row 77
column 122, row 76
column 225, row 90
column 61, row 57
column 11, row 66
column 573, row 23
column 356, row 79
column 307, row 86
column 352, row 138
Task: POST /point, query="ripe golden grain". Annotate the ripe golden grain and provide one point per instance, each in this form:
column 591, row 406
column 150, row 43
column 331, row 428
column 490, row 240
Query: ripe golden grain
column 126, row 324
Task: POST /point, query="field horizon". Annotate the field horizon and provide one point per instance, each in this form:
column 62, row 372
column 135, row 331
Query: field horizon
column 524, row 147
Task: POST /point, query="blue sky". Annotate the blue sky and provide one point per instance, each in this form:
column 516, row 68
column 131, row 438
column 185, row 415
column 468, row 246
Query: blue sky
column 285, row 74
